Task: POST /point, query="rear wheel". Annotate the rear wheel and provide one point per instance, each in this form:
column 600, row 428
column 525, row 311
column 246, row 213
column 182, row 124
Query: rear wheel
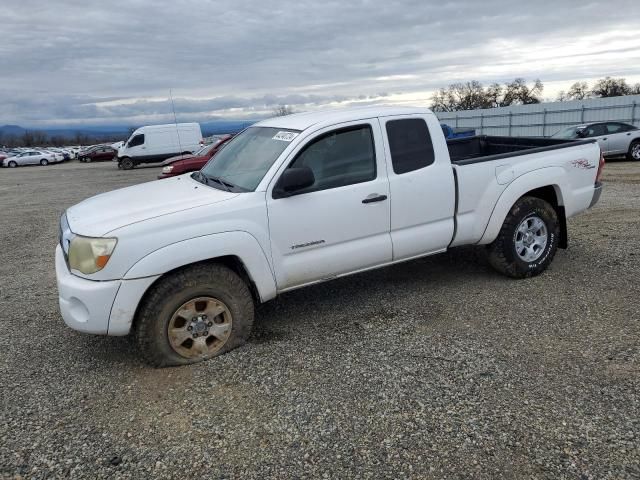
column 528, row 239
column 126, row 163
column 195, row 314
column 44, row 162
column 634, row 151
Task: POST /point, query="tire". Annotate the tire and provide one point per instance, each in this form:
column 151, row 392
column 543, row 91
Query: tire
column 634, row 151
column 12, row 164
column 519, row 251
column 126, row 163
column 183, row 291
column 44, row 162
column 88, row 160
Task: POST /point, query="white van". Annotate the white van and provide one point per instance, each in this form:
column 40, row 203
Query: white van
column 155, row 143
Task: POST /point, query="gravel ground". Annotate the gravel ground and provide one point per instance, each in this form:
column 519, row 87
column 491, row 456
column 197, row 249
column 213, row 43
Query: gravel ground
column 437, row 368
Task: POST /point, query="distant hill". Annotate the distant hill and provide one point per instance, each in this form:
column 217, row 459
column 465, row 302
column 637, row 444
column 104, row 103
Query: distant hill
column 214, row 127
column 68, row 132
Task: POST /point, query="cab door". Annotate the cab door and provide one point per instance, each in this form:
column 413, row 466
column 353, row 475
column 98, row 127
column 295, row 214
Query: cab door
column 421, row 185
column 136, row 146
column 619, row 138
column 599, row 132
column 32, row 158
column 340, row 224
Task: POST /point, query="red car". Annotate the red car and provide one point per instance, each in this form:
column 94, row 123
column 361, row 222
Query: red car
column 97, row 154
column 190, row 163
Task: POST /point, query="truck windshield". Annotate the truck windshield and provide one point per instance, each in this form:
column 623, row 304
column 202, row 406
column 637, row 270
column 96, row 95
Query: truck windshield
column 245, row 159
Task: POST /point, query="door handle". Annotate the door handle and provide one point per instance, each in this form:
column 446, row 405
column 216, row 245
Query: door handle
column 374, row 197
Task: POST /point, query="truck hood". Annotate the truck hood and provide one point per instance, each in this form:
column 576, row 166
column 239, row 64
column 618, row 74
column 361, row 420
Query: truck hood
column 99, row 215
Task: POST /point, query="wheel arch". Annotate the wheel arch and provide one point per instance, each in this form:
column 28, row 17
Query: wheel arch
column 546, row 184
column 251, row 266
column 239, row 251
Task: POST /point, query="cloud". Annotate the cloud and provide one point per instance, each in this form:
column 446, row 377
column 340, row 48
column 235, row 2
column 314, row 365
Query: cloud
column 116, row 61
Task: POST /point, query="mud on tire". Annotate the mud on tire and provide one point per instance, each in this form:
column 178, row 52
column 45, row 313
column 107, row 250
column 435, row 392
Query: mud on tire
column 503, row 254
column 160, row 305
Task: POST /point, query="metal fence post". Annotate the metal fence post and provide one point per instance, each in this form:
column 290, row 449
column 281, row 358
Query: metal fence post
column 510, row 117
column 633, row 113
column 582, row 114
column 456, row 120
column 481, row 122
column 544, row 122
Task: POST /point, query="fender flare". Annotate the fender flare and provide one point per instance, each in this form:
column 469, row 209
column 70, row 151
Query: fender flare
column 544, row 177
column 240, row 244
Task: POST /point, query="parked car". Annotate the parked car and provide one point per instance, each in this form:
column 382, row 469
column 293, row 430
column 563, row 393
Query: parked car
column 32, row 157
column 156, row 143
column 190, row 163
column 101, row 153
column 450, row 132
column 302, row 199
column 614, row 138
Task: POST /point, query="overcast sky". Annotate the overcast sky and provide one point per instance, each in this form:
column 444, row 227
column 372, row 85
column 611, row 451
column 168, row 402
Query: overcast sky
column 107, row 62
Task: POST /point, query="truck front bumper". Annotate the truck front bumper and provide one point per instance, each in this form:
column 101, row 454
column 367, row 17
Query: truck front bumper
column 597, row 191
column 98, row 307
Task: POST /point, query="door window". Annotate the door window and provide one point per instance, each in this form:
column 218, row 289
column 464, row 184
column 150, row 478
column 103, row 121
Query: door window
column 410, row 144
column 618, row 127
column 595, row 130
column 137, row 140
column 338, row 158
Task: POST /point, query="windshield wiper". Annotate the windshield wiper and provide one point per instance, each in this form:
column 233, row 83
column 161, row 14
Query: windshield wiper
column 200, row 177
column 207, row 179
column 227, row 186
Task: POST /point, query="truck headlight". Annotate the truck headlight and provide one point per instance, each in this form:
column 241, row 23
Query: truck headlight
column 167, row 169
column 90, row 255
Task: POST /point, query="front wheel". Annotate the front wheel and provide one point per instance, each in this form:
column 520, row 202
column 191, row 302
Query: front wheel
column 634, row 151
column 528, row 239
column 194, row 314
column 44, row 162
column 126, row 163
column 12, row 164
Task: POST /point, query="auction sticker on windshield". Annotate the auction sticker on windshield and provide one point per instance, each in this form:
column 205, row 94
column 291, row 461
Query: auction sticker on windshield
column 285, row 136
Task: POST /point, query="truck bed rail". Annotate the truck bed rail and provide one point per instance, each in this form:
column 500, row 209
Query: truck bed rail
column 484, row 148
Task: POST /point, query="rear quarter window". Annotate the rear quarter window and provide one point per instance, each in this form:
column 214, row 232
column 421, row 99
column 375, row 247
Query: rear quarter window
column 410, row 145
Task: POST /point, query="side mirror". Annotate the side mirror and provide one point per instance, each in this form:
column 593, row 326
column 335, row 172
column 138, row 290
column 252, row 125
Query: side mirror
column 292, row 180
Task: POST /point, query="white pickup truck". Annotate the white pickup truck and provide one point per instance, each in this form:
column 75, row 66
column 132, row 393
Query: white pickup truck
column 305, row 198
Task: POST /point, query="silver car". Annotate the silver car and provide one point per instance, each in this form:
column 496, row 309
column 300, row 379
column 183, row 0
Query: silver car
column 32, row 157
column 614, row 138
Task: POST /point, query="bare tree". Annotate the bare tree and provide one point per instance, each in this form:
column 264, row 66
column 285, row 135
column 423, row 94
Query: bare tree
column 611, row 87
column 578, row 91
column 27, row 139
column 282, row 111
column 40, row 138
column 519, row 93
column 472, row 95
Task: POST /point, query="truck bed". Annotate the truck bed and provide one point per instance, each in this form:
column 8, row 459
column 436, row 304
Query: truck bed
column 483, row 148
